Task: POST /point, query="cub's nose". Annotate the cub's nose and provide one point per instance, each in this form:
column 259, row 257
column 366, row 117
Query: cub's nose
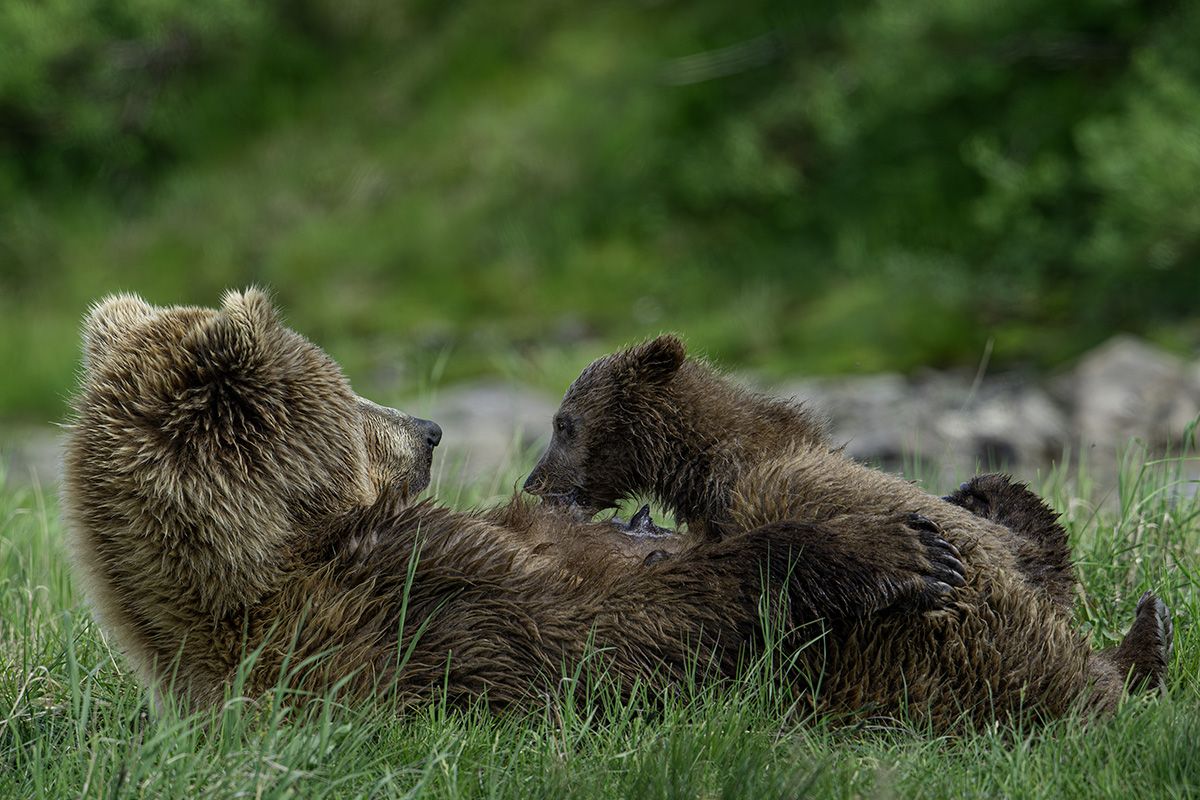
column 433, row 431
column 533, row 482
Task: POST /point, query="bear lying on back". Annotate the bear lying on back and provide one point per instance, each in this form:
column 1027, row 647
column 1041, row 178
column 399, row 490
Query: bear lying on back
column 226, row 492
column 726, row 461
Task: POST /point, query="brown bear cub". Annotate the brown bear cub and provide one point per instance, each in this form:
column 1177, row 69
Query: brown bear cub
column 226, row 493
column 726, row 461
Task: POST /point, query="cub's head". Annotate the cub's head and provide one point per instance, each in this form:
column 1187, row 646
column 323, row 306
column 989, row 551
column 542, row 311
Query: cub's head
column 614, row 430
column 210, row 447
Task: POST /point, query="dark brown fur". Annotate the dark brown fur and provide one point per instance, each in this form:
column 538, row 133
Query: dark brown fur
column 727, row 462
column 646, row 419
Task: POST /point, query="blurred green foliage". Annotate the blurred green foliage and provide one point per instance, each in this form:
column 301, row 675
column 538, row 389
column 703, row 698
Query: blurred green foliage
column 811, row 186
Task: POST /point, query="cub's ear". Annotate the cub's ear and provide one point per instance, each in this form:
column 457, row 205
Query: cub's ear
column 239, row 337
column 109, row 321
column 658, row 359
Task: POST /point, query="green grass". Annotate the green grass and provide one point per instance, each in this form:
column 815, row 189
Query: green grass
column 74, row 722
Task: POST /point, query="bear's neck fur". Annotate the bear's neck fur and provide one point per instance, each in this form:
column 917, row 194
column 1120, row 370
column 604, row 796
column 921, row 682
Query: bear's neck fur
column 711, row 430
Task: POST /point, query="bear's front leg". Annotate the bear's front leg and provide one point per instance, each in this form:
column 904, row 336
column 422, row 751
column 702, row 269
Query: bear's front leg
column 853, row 566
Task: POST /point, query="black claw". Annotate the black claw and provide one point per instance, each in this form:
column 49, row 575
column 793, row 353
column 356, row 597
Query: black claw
column 953, row 571
column 954, row 578
column 942, row 543
column 922, row 522
column 938, row 587
column 949, row 559
column 642, row 517
column 955, row 566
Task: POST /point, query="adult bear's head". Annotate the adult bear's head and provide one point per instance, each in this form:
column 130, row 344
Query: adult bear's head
column 210, row 450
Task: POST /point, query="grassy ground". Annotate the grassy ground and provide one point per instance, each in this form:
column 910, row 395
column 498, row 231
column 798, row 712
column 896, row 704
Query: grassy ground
column 74, row 722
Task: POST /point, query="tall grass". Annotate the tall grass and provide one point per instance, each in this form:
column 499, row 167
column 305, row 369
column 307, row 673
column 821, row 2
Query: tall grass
column 75, row 723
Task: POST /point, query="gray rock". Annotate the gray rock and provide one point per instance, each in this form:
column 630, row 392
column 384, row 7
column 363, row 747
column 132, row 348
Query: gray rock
column 878, row 418
column 953, row 427
column 1008, row 423
column 1127, row 388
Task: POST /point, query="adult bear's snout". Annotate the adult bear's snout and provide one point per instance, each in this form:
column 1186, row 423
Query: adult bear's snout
column 431, row 430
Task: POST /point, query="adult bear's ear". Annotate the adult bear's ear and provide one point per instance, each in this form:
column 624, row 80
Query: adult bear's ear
column 108, row 322
column 239, row 339
column 658, row 359
column 252, row 307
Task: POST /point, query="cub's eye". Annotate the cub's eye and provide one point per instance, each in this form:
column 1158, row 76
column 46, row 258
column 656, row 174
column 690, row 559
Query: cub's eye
column 563, row 426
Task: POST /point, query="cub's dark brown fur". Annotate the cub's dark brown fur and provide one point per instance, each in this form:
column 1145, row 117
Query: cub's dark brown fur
column 727, row 461
column 648, row 420
column 227, row 492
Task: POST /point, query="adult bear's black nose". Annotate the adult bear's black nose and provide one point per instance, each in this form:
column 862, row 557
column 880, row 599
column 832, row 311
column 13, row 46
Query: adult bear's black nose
column 433, row 431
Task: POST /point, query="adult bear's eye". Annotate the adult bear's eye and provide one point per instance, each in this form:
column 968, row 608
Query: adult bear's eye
column 563, row 426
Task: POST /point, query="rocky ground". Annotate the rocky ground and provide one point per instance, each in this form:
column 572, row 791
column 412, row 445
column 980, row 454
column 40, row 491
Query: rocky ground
column 1123, row 390
column 959, row 423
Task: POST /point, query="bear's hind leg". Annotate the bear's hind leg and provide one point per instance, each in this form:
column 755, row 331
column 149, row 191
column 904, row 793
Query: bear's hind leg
column 1040, row 542
column 1143, row 655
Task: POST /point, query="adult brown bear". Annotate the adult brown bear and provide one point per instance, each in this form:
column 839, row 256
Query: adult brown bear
column 726, row 461
column 227, row 493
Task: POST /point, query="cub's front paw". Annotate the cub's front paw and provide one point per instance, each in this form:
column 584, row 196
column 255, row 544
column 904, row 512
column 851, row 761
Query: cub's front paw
column 641, row 524
column 935, row 566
